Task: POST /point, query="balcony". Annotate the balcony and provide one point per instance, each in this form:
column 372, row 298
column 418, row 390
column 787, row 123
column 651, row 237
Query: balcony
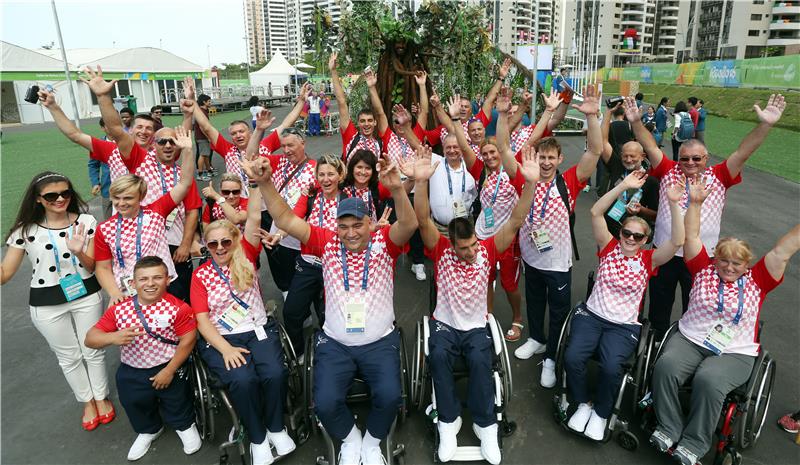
column 668, row 37
column 785, row 25
column 670, row 8
column 632, row 11
column 783, row 41
column 631, row 22
column 671, row 27
column 786, row 8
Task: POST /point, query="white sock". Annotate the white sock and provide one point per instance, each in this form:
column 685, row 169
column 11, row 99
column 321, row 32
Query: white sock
column 284, row 294
column 370, row 441
column 354, row 435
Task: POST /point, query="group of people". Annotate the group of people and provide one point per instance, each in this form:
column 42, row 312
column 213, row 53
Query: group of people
column 333, row 228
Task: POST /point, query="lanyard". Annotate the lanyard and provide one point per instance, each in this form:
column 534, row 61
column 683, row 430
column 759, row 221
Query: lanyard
column 164, row 180
column 721, row 298
column 463, row 179
column 544, row 203
column 227, row 281
column 322, row 204
column 55, row 250
column 242, row 174
column 403, row 146
column 289, row 176
column 354, row 193
column 120, row 258
column 686, row 205
column 147, row 329
column 345, row 273
column 497, row 185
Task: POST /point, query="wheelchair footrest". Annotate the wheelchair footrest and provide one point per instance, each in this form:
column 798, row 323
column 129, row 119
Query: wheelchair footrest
column 468, row 454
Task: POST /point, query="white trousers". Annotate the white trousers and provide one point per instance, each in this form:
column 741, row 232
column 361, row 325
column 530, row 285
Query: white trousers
column 64, row 327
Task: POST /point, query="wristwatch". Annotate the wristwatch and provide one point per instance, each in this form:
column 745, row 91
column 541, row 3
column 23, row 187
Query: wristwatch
column 221, row 200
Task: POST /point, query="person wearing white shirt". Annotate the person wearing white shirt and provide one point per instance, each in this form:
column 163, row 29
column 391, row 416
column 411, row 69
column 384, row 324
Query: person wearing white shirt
column 451, row 185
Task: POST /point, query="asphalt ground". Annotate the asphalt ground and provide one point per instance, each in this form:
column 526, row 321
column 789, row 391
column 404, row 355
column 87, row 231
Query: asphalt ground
column 40, row 417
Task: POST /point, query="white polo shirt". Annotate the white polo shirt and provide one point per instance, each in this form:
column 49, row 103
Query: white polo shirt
column 441, row 196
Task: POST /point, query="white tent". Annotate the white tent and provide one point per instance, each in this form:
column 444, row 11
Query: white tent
column 278, row 72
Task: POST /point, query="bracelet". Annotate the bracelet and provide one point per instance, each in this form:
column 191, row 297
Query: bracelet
column 221, row 200
column 455, row 119
column 253, row 185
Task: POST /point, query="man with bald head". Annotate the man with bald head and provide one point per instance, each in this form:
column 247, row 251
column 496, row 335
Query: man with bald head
column 642, row 202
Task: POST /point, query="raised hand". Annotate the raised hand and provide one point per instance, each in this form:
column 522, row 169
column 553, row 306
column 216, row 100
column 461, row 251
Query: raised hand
column 423, row 169
column 676, row 190
column 332, row 61
column 421, row 77
column 503, row 102
column 434, row 100
column 591, row 101
column 389, row 175
column 551, row 101
column 188, row 88
column 406, row 166
column 370, row 78
column 182, row 138
column 414, row 108
column 634, row 180
column 258, row 170
column 454, row 106
column 96, row 83
column 76, row 243
column 384, row 219
column 264, row 119
column 96, row 189
column 209, row 192
column 698, row 190
column 632, row 113
column 187, row 106
column 400, row 115
column 530, row 164
column 504, row 68
column 305, row 92
column 773, row 111
column 48, row 99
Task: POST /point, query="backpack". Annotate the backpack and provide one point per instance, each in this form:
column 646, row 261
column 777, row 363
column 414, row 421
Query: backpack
column 354, row 142
column 686, row 130
column 561, row 185
column 311, row 199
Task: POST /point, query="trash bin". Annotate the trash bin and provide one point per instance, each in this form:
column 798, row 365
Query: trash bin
column 132, row 104
column 120, row 103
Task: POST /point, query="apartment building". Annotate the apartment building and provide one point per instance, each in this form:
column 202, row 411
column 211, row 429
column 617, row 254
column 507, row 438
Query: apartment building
column 514, row 22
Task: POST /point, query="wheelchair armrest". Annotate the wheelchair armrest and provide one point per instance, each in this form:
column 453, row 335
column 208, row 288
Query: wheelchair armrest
column 497, row 336
column 426, row 333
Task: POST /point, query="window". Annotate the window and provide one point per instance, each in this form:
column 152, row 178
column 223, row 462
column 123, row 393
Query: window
column 124, row 87
column 758, row 2
column 753, row 33
column 755, row 17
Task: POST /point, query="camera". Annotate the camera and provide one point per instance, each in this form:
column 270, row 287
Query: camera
column 611, row 102
column 32, row 95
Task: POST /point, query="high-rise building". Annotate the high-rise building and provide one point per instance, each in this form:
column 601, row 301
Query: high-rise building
column 514, row 22
column 254, row 30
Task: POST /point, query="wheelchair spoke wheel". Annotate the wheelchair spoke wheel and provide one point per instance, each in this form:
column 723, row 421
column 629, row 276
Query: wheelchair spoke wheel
column 728, row 456
column 308, row 385
column 404, row 378
column 628, row 440
column 419, row 353
column 758, row 399
column 200, row 393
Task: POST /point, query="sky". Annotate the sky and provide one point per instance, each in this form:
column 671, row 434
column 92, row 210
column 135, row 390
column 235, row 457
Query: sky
column 191, row 29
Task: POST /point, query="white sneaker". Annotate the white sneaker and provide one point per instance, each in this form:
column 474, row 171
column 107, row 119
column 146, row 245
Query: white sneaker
column 142, row 444
column 579, row 419
column 448, row 440
column 548, row 378
column 372, row 456
column 490, row 448
column 530, row 348
column 350, row 453
column 190, row 439
column 284, row 444
column 419, row 270
column 596, row 428
column 261, row 453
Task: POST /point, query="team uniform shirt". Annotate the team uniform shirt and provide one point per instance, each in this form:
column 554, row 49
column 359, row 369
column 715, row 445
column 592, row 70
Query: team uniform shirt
column 210, row 294
column 702, row 313
column 170, row 318
column 217, row 213
column 322, row 215
column 291, row 181
column 436, row 135
column 620, row 283
column 718, row 181
column 461, row 300
column 397, row 147
column 152, row 239
column 508, row 192
column 365, row 194
column 521, row 135
column 233, row 156
column 161, row 179
column 555, row 222
column 38, row 246
column 443, row 193
column 364, row 143
column 378, row 297
column 107, row 152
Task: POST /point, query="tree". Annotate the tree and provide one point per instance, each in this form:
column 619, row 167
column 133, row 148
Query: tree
column 320, row 37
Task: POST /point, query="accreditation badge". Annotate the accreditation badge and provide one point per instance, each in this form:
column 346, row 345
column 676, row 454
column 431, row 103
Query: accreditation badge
column 170, row 220
column 541, row 239
column 719, row 336
column 355, row 314
column 293, row 196
column 459, row 209
column 232, row 316
column 617, row 211
column 488, row 217
column 73, row 287
column 126, row 285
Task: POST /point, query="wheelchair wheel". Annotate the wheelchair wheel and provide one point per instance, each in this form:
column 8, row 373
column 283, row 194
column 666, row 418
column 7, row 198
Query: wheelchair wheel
column 404, row 379
column 628, row 440
column 198, row 380
column 422, row 385
column 561, row 349
column 641, row 372
column 505, row 361
column 308, row 384
column 728, row 456
column 418, row 363
column 759, row 394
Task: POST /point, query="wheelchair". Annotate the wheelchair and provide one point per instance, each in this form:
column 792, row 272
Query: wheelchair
column 424, row 397
column 210, row 397
column 634, row 377
column 358, row 393
column 744, row 409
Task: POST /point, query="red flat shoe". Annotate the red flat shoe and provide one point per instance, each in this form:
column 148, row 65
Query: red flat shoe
column 91, row 424
column 107, row 417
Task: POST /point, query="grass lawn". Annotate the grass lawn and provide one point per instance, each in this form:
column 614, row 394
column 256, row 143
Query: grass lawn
column 25, row 152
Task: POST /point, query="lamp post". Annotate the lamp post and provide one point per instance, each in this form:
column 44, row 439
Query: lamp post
column 66, row 66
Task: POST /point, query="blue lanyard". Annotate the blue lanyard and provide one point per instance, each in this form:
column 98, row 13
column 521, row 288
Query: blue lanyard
column 354, row 193
column 120, row 258
column 322, row 204
column 721, row 298
column 463, row 179
column 287, row 176
column 497, row 185
column 227, row 281
column 686, row 205
column 345, row 273
column 544, row 203
column 625, row 192
column 403, row 145
column 55, row 250
column 164, row 180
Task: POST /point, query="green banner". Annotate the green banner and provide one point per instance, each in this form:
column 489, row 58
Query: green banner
column 59, row 76
column 781, row 72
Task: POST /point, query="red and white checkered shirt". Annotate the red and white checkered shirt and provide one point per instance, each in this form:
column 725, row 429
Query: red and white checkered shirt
column 718, row 180
column 170, row 318
column 364, row 143
column 291, row 186
column 620, row 283
column 379, row 294
column 397, row 147
column 365, row 194
column 107, row 152
column 461, row 300
column 326, row 221
column 217, row 213
column 555, row 222
column 153, row 238
column 210, row 294
column 702, row 314
column 508, row 193
column 233, row 156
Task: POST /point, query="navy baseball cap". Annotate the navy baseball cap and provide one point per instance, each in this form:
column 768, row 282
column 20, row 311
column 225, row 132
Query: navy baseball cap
column 352, row 206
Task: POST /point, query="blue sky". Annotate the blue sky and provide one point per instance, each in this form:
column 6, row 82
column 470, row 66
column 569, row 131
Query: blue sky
column 192, row 29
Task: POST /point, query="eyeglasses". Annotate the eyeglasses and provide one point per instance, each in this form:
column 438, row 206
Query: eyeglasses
column 224, row 243
column 164, row 140
column 53, row 196
column 696, row 159
column 226, row 192
column 630, row 234
column 157, row 112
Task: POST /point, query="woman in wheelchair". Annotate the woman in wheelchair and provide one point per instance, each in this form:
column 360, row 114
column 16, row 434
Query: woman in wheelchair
column 458, row 326
column 717, row 339
column 608, row 323
column 242, row 346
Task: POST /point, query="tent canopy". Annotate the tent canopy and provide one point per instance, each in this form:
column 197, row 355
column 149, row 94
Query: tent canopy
column 278, row 65
column 144, row 59
column 16, row 58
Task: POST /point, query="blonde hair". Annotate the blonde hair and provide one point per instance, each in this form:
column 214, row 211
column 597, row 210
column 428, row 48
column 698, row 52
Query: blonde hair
column 639, row 220
column 333, row 160
column 126, row 183
column 230, row 177
column 732, row 248
column 242, row 270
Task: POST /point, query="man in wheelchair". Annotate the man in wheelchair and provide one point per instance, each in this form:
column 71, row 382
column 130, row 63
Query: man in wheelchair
column 726, row 293
column 358, row 336
column 608, row 323
column 458, row 327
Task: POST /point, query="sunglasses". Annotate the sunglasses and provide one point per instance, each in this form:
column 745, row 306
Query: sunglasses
column 224, row 243
column 165, row 140
column 696, row 159
column 293, row 131
column 226, row 192
column 53, row 196
column 630, row 234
